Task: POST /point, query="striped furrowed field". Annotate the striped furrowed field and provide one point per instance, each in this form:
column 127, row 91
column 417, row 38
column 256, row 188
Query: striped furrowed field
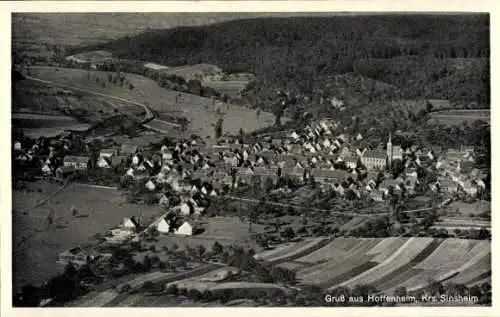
column 386, row 263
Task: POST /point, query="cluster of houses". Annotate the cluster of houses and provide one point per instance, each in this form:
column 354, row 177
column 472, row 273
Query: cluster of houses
column 198, row 169
column 210, row 169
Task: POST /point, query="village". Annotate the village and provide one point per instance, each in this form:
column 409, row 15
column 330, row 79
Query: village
column 196, row 170
column 350, row 160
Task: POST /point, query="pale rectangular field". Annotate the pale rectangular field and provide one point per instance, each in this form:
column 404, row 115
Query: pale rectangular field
column 37, row 246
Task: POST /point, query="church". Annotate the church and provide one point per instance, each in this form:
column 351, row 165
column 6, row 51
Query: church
column 377, row 159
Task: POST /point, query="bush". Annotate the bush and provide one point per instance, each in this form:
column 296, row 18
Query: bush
column 125, row 288
column 194, row 294
column 172, row 289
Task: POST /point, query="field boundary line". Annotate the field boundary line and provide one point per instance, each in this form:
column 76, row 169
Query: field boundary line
column 66, row 183
column 383, row 264
column 304, row 207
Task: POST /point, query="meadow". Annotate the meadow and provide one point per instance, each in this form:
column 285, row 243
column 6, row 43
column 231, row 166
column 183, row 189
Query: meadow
column 201, row 112
column 36, row 246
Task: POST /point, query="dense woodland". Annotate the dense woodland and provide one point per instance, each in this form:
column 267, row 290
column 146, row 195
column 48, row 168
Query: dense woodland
column 428, row 56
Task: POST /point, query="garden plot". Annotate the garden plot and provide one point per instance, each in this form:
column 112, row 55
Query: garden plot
column 338, row 248
column 467, row 275
column 336, row 271
column 441, row 275
column 399, row 274
column 452, row 253
column 281, row 250
column 402, row 256
column 386, row 250
column 311, row 246
column 416, row 278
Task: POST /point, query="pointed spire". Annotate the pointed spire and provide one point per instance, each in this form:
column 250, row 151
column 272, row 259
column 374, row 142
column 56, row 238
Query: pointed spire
column 390, row 137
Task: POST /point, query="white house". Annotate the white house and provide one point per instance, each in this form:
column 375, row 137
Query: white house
column 135, row 160
column 163, row 226
column 150, row 185
column 184, row 209
column 103, row 162
column 185, row 229
column 46, row 169
column 130, row 172
column 130, row 224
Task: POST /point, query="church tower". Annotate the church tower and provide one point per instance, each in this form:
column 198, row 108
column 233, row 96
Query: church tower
column 389, row 151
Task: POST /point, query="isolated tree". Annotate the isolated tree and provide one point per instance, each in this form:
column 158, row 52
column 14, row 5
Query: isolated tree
column 217, row 248
column 218, row 128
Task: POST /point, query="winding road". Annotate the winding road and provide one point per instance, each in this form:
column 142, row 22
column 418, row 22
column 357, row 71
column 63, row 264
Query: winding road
column 149, row 121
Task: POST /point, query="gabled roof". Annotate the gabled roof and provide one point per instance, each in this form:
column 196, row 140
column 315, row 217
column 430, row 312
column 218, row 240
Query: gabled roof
column 108, row 151
column 326, row 173
column 379, row 154
column 76, row 159
column 350, row 159
column 128, row 149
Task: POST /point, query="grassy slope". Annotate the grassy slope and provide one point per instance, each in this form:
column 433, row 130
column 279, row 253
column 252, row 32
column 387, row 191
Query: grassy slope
column 198, row 110
column 35, row 260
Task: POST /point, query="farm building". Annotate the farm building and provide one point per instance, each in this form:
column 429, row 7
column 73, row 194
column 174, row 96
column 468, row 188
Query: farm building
column 187, row 228
column 78, row 162
column 150, row 185
column 163, row 226
column 185, row 209
column 130, row 224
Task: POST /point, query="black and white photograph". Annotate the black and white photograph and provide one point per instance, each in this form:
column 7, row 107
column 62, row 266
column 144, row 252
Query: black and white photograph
column 250, row 159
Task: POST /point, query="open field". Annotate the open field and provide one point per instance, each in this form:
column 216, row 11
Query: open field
column 467, row 209
column 189, row 72
column 457, row 117
column 36, row 125
column 388, row 263
column 162, row 100
column 36, row 247
column 224, row 230
column 404, row 255
column 32, row 96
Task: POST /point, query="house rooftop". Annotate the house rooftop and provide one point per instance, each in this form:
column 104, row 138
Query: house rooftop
column 76, row 159
column 379, row 154
column 128, row 149
column 326, row 173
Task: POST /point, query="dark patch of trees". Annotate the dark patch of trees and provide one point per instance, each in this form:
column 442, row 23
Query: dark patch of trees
column 407, row 51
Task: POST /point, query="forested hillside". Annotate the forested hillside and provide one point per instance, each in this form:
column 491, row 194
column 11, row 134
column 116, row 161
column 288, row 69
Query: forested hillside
column 424, row 56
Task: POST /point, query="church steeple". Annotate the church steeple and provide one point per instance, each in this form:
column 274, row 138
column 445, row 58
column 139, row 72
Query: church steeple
column 389, row 150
